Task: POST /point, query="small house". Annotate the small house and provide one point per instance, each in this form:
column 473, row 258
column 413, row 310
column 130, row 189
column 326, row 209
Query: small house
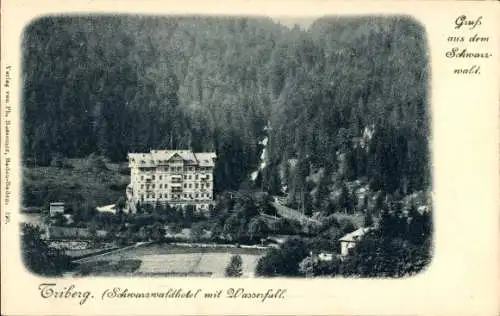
column 56, row 208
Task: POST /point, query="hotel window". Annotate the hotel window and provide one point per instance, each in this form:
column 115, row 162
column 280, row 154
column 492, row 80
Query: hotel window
column 161, row 185
column 142, row 177
column 153, row 186
column 153, row 177
column 196, row 177
column 160, row 195
column 190, row 177
column 185, row 177
column 196, row 185
column 196, row 195
column 153, row 195
column 202, row 186
column 185, row 185
column 142, row 186
column 190, row 185
column 161, row 177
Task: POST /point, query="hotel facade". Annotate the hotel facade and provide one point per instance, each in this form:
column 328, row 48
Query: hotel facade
column 171, row 177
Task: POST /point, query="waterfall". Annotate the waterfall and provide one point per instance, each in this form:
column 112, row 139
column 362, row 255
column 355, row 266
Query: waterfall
column 263, row 155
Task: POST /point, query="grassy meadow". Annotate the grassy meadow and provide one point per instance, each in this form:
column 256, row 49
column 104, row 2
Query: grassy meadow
column 86, row 181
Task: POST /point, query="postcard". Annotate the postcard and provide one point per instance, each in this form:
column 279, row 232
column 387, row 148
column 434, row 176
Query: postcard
column 250, row 157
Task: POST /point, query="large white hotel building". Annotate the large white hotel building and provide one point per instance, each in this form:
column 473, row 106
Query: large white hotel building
column 173, row 177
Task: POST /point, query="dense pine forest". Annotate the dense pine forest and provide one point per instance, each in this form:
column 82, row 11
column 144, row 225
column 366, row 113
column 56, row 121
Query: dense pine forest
column 330, row 120
column 346, row 98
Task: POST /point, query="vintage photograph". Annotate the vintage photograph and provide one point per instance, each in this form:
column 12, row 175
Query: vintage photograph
column 226, row 146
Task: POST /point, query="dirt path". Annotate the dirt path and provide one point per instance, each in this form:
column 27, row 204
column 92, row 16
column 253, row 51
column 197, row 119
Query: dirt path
column 92, row 258
column 290, row 213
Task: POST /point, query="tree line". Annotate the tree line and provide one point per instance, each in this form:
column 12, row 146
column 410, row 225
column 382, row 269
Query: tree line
column 348, row 95
column 400, row 246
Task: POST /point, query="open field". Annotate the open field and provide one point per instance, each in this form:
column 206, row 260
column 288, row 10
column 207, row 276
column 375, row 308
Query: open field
column 109, row 268
column 177, row 260
column 195, row 263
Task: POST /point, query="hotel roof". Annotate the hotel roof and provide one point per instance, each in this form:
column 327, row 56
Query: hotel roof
column 159, row 157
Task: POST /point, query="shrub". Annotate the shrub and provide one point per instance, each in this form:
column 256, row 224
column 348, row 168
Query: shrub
column 234, row 268
column 346, row 226
column 95, row 163
column 38, row 256
column 57, row 160
column 118, row 186
column 124, row 169
column 284, row 261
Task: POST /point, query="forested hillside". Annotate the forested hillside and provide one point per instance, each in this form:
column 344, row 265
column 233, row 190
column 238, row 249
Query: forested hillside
column 346, row 98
